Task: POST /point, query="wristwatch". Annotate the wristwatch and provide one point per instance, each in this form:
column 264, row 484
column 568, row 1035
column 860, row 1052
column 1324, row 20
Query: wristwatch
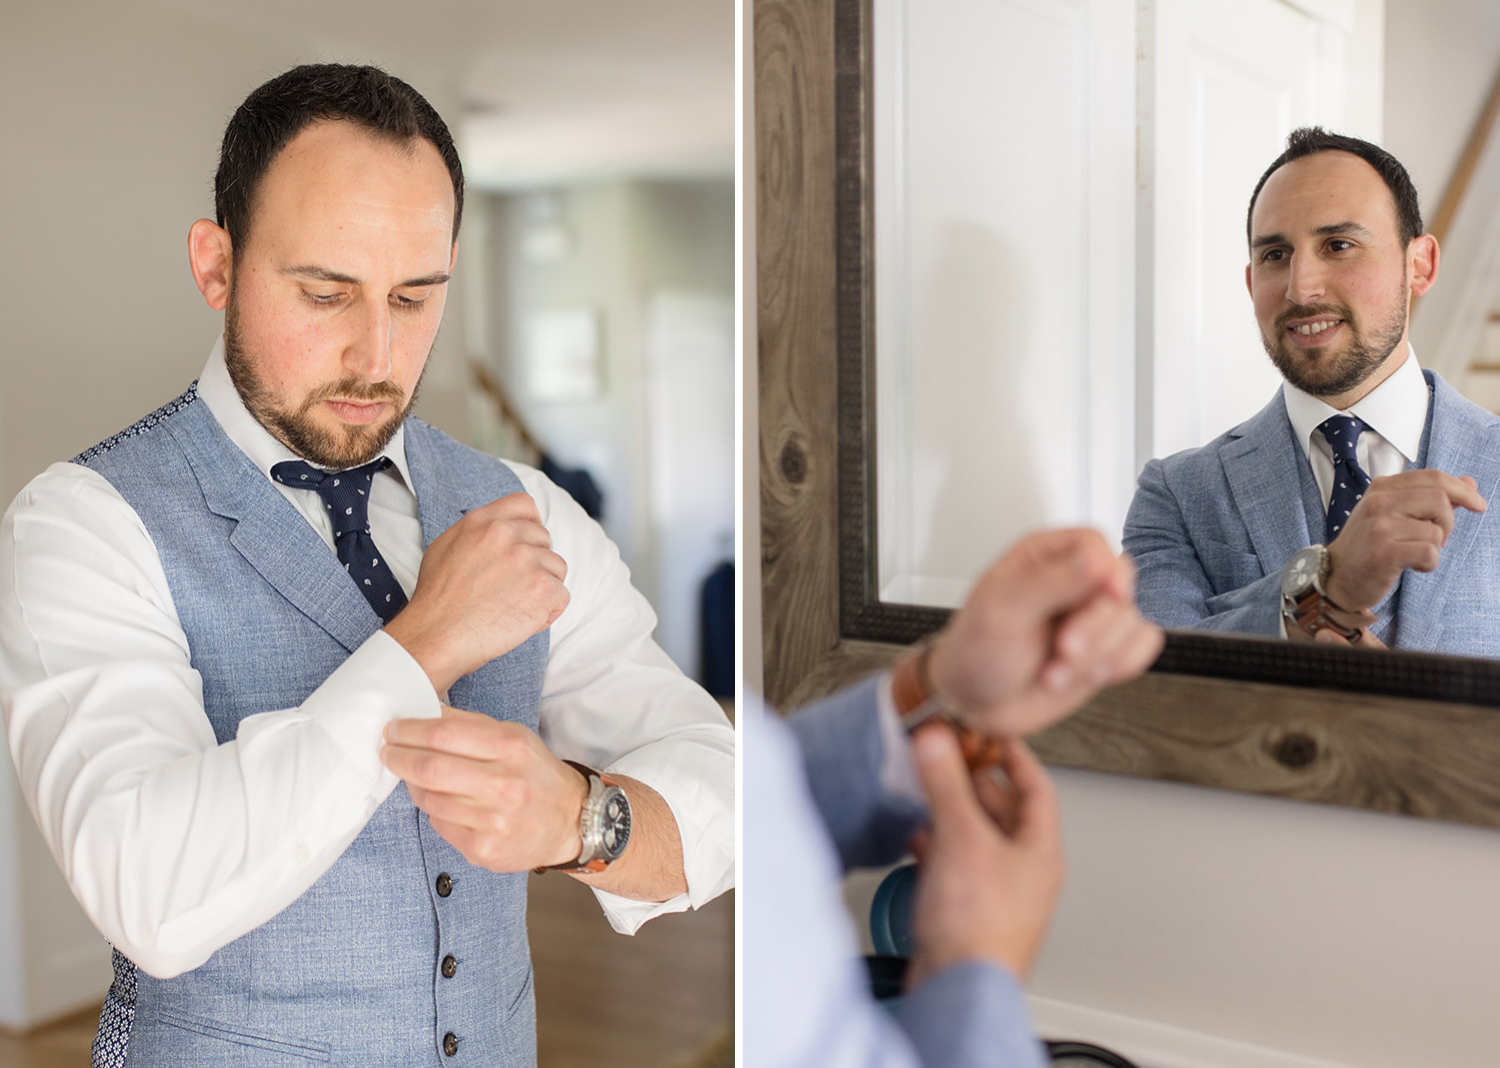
column 917, row 702
column 1304, row 602
column 603, row 823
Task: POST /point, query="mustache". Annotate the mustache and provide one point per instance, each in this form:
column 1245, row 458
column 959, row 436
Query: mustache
column 1308, row 311
column 352, row 389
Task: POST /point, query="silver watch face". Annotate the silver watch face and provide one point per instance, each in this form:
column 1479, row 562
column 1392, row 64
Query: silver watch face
column 614, row 830
column 1301, row 572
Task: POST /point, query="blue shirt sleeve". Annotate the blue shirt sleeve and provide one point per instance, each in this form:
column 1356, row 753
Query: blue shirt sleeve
column 805, row 996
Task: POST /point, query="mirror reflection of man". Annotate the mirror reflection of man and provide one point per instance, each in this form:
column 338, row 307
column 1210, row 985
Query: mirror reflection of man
column 1351, row 508
column 289, row 677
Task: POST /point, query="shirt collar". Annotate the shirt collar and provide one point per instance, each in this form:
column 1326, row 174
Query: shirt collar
column 216, row 389
column 1396, row 409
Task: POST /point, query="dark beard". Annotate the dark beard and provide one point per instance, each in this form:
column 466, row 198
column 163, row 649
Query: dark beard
column 1305, row 370
column 350, row 447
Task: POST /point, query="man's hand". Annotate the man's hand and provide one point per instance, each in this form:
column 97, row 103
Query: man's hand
column 490, row 788
column 991, row 859
column 486, row 585
column 1367, row 639
column 1045, row 628
column 1403, row 521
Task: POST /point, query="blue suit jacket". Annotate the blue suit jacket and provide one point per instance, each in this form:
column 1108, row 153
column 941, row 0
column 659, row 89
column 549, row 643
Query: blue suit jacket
column 1211, row 528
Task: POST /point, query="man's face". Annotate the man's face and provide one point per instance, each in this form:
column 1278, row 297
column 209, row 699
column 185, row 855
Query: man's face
column 338, row 292
column 1329, row 275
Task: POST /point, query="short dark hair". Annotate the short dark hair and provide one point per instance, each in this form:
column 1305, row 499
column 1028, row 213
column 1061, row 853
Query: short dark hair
column 1310, row 140
column 287, row 104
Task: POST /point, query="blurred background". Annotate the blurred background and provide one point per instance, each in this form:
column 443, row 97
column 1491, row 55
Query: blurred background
column 590, row 329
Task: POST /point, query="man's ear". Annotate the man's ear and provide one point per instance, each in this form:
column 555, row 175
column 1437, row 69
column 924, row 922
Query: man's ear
column 1422, row 257
column 453, row 258
column 1248, row 287
column 211, row 256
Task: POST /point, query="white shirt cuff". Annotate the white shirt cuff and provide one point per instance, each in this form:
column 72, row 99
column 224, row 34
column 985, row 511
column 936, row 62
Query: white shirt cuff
column 898, row 772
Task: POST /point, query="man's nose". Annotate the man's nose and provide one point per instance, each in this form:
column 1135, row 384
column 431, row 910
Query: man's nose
column 1305, row 279
column 367, row 356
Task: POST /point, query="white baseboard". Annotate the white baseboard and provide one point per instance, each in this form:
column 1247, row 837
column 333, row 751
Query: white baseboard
column 1154, row 1045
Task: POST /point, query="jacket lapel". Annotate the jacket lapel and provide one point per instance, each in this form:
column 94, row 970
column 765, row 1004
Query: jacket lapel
column 272, row 536
column 1257, row 460
column 1462, row 439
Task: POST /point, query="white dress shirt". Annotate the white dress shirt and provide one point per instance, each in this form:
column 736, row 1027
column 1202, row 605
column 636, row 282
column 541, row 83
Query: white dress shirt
column 175, row 845
column 1394, row 414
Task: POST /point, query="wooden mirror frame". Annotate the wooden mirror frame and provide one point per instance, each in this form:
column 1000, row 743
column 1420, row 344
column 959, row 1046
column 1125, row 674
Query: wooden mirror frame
column 1394, row 732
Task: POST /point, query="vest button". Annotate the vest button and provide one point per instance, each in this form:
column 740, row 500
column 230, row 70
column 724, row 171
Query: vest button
column 450, row 967
column 444, row 885
column 450, row 1044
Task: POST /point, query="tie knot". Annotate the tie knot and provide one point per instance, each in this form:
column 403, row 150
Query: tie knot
column 346, row 494
column 1342, row 433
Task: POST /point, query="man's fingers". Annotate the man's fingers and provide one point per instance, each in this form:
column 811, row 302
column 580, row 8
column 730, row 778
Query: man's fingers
column 465, row 734
column 554, row 565
column 1429, row 506
column 1054, row 571
column 1469, row 496
column 1102, row 643
column 999, row 801
column 455, row 731
column 921, row 845
column 1367, row 639
column 516, row 505
column 944, row 775
column 1106, row 641
column 1460, row 492
column 1139, row 651
column 487, row 784
column 1037, row 818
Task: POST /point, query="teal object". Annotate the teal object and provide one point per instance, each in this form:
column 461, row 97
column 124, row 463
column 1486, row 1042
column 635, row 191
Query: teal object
column 890, row 913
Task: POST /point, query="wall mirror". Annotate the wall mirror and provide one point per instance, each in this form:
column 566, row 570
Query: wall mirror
column 860, row 519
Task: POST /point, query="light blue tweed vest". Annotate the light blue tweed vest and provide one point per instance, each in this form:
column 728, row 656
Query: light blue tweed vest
column 350, row 973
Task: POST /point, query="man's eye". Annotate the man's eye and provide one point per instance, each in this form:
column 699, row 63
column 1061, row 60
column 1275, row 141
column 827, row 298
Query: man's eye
column 1273, row 255
column 407, row 303
column 1338, row 244
column 322, row 299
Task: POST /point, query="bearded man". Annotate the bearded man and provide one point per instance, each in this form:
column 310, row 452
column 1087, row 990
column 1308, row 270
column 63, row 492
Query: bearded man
column 299, row 689
column 1352, row 508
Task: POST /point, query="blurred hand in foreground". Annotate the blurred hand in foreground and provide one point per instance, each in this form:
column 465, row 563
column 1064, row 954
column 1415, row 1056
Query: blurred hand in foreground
column 991, row 858
column 1049, row 624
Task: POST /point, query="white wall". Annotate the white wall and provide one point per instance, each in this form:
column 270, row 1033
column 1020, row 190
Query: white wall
column 627, row 246
column 1441, row 58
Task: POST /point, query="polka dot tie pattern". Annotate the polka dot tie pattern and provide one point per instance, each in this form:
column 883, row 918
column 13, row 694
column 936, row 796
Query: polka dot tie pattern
column 1349, row 479
column 346, row 495
column 112, row 1041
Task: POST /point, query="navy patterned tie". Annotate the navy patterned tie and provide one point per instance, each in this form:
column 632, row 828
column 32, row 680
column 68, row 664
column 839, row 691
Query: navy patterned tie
column 112, row 1041
column 347, row 496
column 1349, row 479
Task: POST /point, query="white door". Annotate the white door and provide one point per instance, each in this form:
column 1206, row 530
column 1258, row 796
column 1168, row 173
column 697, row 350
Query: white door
column 1223, row 82
column 690, row 442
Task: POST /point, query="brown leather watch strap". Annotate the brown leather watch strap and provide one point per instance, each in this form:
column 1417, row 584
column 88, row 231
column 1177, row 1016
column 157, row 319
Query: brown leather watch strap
column 597, row 863
column 917, row 702
column 1311, row 616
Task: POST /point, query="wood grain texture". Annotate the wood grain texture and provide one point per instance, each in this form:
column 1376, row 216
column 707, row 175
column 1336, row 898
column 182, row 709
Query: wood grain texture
column 795, row 278
column 1418, row 758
